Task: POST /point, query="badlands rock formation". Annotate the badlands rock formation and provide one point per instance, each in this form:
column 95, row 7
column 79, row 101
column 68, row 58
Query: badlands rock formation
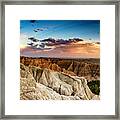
column 44, row 84
column 88, row 68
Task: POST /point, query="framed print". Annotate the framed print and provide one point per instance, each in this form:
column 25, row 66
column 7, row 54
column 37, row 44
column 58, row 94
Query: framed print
column 60, row 60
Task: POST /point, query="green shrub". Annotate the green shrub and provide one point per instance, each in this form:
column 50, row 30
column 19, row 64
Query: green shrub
column 94, row 86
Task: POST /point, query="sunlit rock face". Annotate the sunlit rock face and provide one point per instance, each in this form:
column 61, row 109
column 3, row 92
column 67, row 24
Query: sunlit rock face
column 87, row 68
column 43, row 84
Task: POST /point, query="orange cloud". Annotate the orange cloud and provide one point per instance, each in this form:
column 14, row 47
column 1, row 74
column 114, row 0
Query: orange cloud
column 77, row 50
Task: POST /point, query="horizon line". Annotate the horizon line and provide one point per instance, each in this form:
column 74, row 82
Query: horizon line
column 59, row 57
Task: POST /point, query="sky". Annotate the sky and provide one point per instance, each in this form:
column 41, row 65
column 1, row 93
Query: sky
column 63, row 29
column 38, row 30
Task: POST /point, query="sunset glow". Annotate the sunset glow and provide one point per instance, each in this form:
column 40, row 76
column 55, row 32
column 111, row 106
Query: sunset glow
column 60, row 38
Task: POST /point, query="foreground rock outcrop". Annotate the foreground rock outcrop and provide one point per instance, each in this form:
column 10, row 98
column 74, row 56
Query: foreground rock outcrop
column 44, row 84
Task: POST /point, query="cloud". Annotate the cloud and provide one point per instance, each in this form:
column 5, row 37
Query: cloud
column 37, row 44
column 33, row 39
column 78, row 50
column 32, row 21
column 40, row 29
column 49, row 43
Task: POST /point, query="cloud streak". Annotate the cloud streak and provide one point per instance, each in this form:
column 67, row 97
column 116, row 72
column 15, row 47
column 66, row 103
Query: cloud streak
column 40, row 29
column 73, row 50
column 47, row 44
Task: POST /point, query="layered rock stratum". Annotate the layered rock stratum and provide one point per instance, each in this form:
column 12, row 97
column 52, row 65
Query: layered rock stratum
column 88, row 68
column 42, row 83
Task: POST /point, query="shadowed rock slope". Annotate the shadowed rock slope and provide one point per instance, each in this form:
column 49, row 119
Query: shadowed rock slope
column 43, row 84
